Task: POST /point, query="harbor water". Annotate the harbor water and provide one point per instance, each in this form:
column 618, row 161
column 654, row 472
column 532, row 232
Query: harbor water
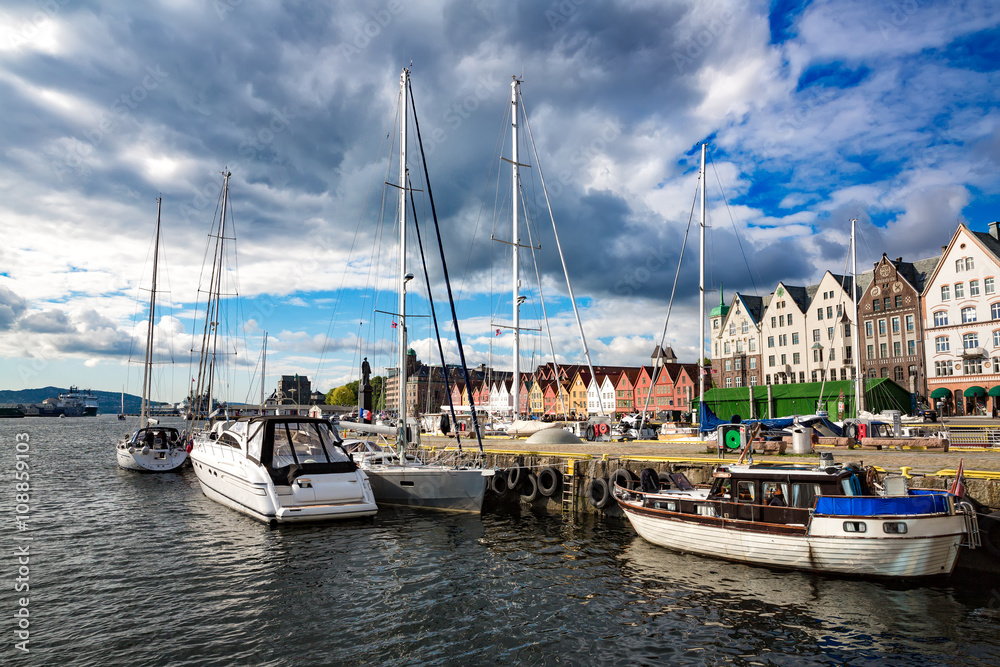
column 137, row 569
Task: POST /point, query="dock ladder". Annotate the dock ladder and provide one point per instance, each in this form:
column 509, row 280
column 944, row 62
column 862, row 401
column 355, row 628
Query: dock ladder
column 569, row 489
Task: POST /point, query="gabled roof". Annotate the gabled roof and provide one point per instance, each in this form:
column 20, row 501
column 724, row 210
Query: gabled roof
column 984, row 239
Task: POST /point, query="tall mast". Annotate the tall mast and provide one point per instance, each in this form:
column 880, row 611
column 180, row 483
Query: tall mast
column 217, row 288
column 402, row 264
column 859, row 382
column 701, row 292
column 147, row 379
column 263, row 372
column 515, row 248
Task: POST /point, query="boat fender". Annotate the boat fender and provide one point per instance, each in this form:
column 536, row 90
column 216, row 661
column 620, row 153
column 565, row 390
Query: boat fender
column 515, row 477
column 851, row 431
column 499, row 483
column 549, row 481
column 649, row 481
column 590, row 432
column 461, row 426
column 598, row 493
column 530, row 488
column 622, row 477
column 145, row 450
column 189, row 447
column 131, row 450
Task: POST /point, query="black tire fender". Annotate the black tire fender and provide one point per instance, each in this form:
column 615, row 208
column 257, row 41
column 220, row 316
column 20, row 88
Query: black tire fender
column 515, row 477
column 622, row 477
column 549, row 481
column 530, row 488
column 498, row 484
column 599, row 493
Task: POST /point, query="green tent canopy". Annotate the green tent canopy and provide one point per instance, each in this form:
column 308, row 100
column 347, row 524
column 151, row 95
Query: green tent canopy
column 941, row 392
column 975, row 390
column 995, row 391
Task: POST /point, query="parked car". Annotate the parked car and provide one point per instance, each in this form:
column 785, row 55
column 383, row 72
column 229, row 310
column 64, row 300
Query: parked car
column 927, row 412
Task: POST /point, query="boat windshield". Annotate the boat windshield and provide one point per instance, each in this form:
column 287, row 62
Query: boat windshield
column 305, row 442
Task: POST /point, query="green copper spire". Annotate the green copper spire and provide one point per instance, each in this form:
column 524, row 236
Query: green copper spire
column 722, row 309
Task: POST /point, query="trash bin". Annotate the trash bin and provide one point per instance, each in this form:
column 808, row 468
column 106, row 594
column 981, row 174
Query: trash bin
column 801, row 439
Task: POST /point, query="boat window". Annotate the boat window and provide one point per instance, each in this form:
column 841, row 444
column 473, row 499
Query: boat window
column 723, row 488
column 229, row 441
column 845, row 486
column 745, row 492
column 305, row 442
column 894, row 527
column 804, row 495
column 770, row 492
column 855, row 527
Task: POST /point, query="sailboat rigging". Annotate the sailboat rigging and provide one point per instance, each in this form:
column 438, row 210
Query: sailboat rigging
column 151, row 448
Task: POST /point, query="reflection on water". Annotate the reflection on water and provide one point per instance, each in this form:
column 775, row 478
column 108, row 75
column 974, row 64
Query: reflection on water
column 144, row 569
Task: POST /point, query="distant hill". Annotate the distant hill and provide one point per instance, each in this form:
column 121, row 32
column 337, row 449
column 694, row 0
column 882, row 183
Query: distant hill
column 109, row 401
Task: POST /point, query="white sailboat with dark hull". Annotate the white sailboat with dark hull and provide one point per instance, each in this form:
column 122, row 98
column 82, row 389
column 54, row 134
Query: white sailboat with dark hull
column 151, row 448
column 400, row 478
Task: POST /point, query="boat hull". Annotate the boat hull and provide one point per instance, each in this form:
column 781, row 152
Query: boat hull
column 929, row 548
column 152, row 460
column 231, row 480
column 428, row 486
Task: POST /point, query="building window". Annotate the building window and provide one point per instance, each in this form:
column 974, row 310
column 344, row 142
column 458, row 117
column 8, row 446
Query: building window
column 883, row 351
column 770, row 362
column 726, row 348
column 968, row 315
column 995, row 311
column 829, row 312
column 970, row 340
column 840, row 310
column 884, row 372
column 909, row 323
column 739, row 381
column 833, row 354
column 774, row 322
column 898, row 372
column 847, row 353
column 911, row 347
column 781, row 320
column 784, row 359
column 789, row 319
column 968, row 264
column 996, row 338
column 729, row 382
column 729, row 365
column 819, row 313
column 732, row 328
column 899, row 301
column 715, row 323
column 795, row 358
column 897, row 348
column 959, row 265
column 829, row 333
column 973, row 288
column 738, row 364
column 815, row 376
column 817, row 355
column 943, row 368
column 753, row 363
column 886, row 303
column 783, row 340
column 770, row 341
column 847, row 329
column 745, row 326
column 881, row 327
column 815, row 335
column 959, row 290
column 973, row 366
column 753, row 344
column 876, row 305
column 767, row 379
column 869, row 330
column 941, row 319
column 945, row 292
column 871, row 351
column 988, row 285
column 895, row 325
column 739, row 346
column 753, row 380
column 795, row 338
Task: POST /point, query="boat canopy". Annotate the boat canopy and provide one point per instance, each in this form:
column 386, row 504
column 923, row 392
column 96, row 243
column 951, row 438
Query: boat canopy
column 936, row 503
column 709, row 421
column 292, row 446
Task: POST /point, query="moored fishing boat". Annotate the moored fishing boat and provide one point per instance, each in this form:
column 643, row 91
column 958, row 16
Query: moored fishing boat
column 825, row 519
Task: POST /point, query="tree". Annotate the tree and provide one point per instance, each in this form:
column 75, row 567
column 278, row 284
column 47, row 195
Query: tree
column 342, row 396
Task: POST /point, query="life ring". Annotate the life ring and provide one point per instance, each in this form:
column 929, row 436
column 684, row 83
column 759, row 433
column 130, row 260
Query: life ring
column 851, row 431
column 590, row 433
column 598, row 493
column 622, row 477
column 499, row 483
column 604, row 428
column 515, row 477
column 530, row 489
column 549, row 481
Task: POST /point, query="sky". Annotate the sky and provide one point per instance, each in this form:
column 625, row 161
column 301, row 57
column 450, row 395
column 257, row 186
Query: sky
column 814, row 113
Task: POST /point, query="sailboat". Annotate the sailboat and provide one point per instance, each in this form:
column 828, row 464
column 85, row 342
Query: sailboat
column 151, row 448
column 276, row 469
column 400, row 478
column 121, row 412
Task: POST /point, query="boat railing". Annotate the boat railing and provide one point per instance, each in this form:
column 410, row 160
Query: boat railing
column 973, row 539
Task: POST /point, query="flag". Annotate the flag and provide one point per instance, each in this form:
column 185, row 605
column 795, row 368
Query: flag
column 366, row 414
column 393, row 325
column 958, row 486
column 498, row 332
